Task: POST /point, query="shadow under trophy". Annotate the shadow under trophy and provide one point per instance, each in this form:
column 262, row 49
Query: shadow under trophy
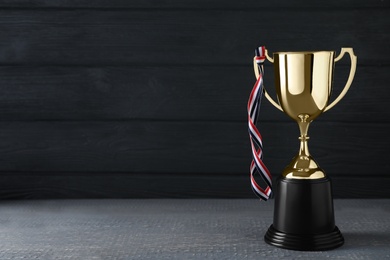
column 303, row 212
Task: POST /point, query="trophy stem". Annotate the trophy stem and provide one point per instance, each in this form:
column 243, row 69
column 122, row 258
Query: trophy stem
column 303, row 166
column 304, row 128
column 304, row 125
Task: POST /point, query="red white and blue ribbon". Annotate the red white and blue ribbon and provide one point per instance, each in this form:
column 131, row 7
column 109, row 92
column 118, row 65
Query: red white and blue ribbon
column 257, row 165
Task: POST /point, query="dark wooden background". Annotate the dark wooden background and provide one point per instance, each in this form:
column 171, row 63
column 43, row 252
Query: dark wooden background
column 147, row 98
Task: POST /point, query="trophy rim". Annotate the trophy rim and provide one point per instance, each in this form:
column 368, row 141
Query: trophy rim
column 303, row 52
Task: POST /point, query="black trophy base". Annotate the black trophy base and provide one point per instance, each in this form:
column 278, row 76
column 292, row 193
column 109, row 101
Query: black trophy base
column 304, row 216
column 304, row 242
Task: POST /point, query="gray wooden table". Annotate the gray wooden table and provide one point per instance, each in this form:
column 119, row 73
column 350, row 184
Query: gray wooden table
column 175, row 229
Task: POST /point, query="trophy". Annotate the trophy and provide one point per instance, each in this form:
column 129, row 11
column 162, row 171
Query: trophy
column 303, row 212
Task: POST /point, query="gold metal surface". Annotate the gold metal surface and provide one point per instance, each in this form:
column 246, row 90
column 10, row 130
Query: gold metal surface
column 303, row 83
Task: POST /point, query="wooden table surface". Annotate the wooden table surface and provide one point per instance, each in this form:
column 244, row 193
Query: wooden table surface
column 175, row 229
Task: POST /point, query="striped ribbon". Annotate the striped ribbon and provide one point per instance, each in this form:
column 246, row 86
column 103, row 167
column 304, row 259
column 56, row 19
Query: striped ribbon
column 257, row 165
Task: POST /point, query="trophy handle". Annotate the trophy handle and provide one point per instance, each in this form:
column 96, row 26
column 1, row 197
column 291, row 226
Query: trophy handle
column 275, row 104
column 350, row 78
column 268, row 57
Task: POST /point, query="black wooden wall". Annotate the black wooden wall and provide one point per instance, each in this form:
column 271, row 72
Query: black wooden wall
column 147, row 98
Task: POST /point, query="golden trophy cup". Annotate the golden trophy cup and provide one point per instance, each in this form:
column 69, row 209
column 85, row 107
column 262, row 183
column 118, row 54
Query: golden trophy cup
column 303, row 213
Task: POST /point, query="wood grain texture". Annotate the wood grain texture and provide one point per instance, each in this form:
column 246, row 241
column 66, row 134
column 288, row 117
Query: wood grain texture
column 147, row 98
column 210, row 93
column 123, row 37
column 185, row 147
column 76, row 185
column 200, row 4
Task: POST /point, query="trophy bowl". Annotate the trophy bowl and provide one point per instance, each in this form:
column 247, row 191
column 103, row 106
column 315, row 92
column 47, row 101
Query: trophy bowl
column 303, row 82
column 303, row 212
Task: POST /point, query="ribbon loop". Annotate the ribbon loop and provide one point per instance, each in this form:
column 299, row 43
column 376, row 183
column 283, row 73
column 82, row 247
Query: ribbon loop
column 257, row 165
